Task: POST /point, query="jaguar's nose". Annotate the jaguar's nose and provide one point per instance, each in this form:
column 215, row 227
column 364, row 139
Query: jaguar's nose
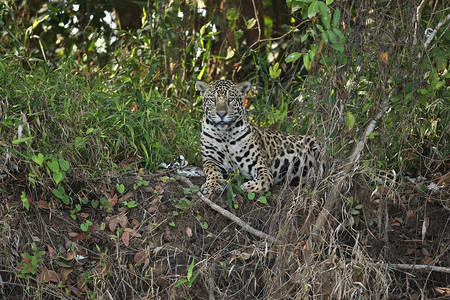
column 221, row 113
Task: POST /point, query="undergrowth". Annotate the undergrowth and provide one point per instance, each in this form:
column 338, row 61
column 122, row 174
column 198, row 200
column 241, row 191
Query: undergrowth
column 88, row 212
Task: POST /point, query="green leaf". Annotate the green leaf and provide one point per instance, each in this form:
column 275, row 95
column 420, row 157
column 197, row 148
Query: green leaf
column 329, row 2
column 200, row 75
column 292, row 57
column 230, row 196
column 339, row 34
column 307, row 61
column 120, row 188
column 230, row 53
column 274, row 71
column 85, row 226
column 39, row 159
column 181, row 282
column 325, row 14
column 251, row 23
column 58, row 177
column 203, row 29
column 338, row 47
column 332, row 36
column 262, row 199
column 232, row 14
column 172, row 224
column 251, row 196
column 312, row 9
column 64, row 164
column 21, row 140
column 65, row 199
column 94, row 203
column 79, row 142
column 304, row 37
column 336, row 17
column 350, row 120
column 183, row 204
column 53, row 165
column 190, row 269
column 59, row 192
column 355, row 212
column 24, row 199
column 204, row 225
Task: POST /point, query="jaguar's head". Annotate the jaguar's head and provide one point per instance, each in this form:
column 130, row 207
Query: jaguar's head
column 223, row 102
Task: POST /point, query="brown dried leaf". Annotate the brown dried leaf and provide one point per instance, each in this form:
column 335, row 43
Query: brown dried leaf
column 124, row 221
column 410, row 251
column 71, row 255
column 189, row 232
column 132, row 232
column 135, row 223
column 152, row 208
column 52, row 251
column 140, row 257
column 81, row 286
column 443, row 290
column 394, row 222
column 125, row 237
column 410, row 213
column 48, row 275
column 43, row 204
column 384, row 57
column 113, row 224
column 427, row 261
column 167, row 233
column 65, row 273
column 444, row 179
column 425, row 252
column 156, row 200
column 113, row 201
column 74, row 290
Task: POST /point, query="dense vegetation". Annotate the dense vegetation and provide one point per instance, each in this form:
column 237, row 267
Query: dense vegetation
column 95, row 95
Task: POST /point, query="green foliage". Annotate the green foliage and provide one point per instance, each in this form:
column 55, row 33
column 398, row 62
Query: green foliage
column 85, row 225
column 24, row 199
column 120, row 188
column 30, row 262
column 190, row 277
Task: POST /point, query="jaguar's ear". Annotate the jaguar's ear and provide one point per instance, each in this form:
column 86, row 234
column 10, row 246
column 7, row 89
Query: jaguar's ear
column 243, row 87
column 201, row 86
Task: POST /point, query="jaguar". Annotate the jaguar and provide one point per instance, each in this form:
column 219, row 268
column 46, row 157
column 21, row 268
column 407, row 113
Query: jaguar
column 229, row 141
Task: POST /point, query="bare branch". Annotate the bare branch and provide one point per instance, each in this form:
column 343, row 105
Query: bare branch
column 229, row 215
column 416, row 267
column 416, row 20
column 435, row 30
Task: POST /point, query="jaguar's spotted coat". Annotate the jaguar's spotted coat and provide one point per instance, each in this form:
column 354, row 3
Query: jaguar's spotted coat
column 229, row 142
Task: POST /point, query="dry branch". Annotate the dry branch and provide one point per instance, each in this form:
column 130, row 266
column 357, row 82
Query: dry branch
column 229, row 215
column 416, row 267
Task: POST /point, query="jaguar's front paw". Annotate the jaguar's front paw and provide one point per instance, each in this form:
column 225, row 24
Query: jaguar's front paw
column 255, row 186
column 213, row 186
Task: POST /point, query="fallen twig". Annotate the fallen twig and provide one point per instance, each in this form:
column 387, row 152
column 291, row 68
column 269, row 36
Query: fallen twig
column 229, row 215
column 416, row 267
